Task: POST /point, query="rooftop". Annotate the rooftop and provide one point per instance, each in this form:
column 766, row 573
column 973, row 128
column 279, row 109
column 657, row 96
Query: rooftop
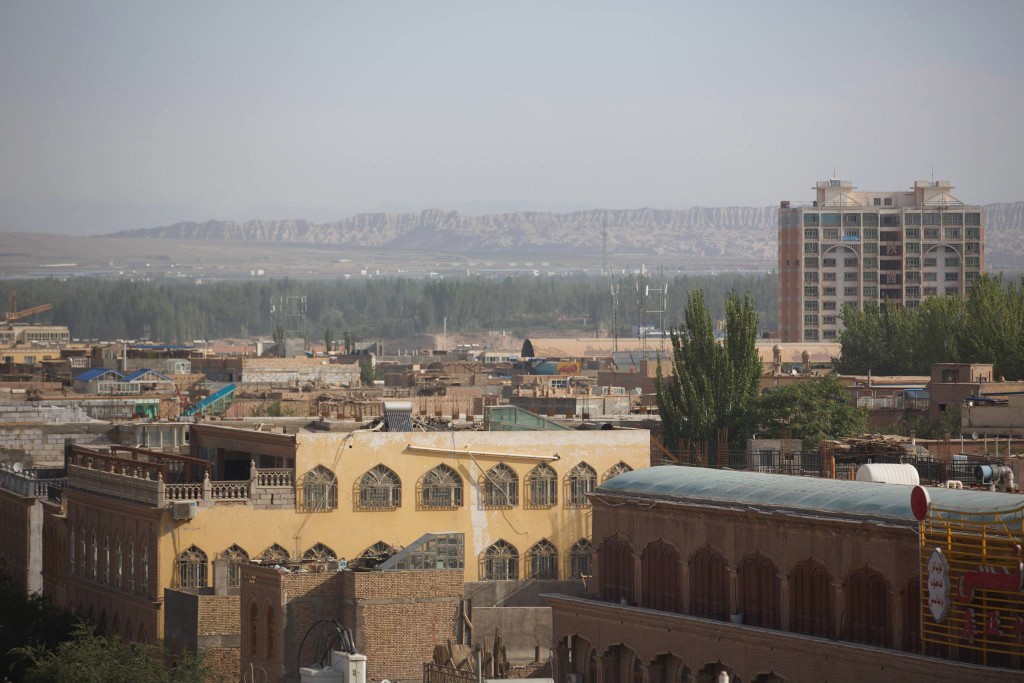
column 862, row 501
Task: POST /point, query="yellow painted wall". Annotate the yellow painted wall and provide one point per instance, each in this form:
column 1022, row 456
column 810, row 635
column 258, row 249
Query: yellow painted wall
column 349, row 531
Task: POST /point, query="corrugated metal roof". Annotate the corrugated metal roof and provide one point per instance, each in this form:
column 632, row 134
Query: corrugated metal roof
column 135, row 376
column 803, row 495
column 94, row 373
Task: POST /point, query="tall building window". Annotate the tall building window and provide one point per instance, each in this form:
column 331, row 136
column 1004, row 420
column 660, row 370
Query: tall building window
column 270, row 632
column 192, row 568
column 131, row 565
column 71, row 548
column 95, row 573
column 380, row 489
column 811, row 234
column 709, row 583
column 810, row 247
column 319, row 490
column 810, row 305
column 759, row 592
column 501, row 562
column 911, row 218
column 832, row 219
column 543, row 560
column 253, row 631
column 952, row 218
column 145, row 569
column 442, row 488
column 810, row 320
column 581, row 481
column 119, row 564
column 615, row 559
column 580, row 559
column 867, row 608
column 501, row 487
column 660, row 564
column 810, row 220
column 952, row 233
column 972, row 218
column 106, row 559
column 973, row 233
column 810, row 291
column 542, row 486
column 870, row 221
column 234, row 557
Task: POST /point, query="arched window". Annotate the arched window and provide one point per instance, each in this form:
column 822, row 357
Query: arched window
column 581, row 481
column 95, row 557
column 83, row 557
column 501, row 487
column 615, row 561
column 709, row 585
column 270, row 632
column 543, row 560
column 867, row 608
column 71, row 548
column 542, row 486
column 131, row 565
column 106, row 559
column 319, row 552
column 235, row 557
column 145, row 570
column 812, row 609
column 619, row 468
column 912, row 615
column 660, row 564
column 253, row 630
column 119, row 565
column 275, row 554
column 192, row 568
column 378, row 551
column 580, row 559
column 319, row 490
column 501, row 562
column 380, row 489
column 442, row 488
column 759, row 592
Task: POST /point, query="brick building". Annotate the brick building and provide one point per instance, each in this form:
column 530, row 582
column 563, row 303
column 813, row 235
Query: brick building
column 395, row 617
column 764, row 578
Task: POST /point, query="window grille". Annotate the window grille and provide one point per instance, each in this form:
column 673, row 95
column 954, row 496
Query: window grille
column 619, row 468
column 582, row 479
column 543, row 560
column 380, row 489
column 319, row 552
column 270, row 632
column 501, row 562
column 542, row 486
column 131, row 566
column 145, row 570
column 235, row 556
column 320, row 490
column 106, row 559
column 442, row 488
column 580, row 559
column 119, row 561
column 192, row 568
column 378, row 551
column 501, row 487
column 275, row 554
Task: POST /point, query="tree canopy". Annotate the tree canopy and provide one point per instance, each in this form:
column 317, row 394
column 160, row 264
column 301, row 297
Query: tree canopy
column 810, row 409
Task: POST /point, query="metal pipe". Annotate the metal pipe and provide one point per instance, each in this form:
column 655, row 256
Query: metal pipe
column 470, row 453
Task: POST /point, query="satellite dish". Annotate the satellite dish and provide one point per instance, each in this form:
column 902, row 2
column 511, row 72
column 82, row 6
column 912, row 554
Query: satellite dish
column 19, row 467
column 974, row 436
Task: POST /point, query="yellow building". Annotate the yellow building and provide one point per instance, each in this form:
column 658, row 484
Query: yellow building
column 140, row 521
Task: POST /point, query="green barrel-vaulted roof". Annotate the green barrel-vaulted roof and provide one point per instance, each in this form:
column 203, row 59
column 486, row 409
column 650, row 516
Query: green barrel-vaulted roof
column 807, row 496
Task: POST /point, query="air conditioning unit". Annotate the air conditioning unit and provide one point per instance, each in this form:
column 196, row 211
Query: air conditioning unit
column 573, row 678
column 184, row 509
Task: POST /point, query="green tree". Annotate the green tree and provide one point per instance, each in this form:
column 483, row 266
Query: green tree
column 279, row 341
column 714, row 385
column 812, row 410
column 28, row 622
column 89, row 658
column 328, row 339
column 367, row 373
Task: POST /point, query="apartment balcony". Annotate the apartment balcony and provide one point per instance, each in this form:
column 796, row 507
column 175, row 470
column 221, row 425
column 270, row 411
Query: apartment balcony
column 28, row 483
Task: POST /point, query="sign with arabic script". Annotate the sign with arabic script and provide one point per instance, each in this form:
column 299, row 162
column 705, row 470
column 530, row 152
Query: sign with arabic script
column 938, row 586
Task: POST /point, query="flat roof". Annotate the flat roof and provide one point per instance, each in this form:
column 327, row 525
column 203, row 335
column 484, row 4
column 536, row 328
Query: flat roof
column 810, row 496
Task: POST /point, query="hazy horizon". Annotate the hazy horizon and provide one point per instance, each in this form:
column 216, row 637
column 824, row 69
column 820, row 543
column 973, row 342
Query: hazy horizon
column 126, row 115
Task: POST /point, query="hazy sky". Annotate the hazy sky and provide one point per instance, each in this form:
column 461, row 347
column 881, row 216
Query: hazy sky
column 118, row 115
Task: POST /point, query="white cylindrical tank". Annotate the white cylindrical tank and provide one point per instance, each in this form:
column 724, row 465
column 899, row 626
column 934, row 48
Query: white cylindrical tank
column 885, row 473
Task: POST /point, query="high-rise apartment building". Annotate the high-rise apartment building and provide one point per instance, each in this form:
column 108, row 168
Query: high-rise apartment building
column 852, row 247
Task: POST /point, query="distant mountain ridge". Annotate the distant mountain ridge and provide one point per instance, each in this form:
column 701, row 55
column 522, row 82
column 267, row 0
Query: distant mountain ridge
column 737, row 232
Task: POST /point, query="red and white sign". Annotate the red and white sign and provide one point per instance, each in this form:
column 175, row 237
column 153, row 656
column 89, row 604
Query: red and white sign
column 938, row 586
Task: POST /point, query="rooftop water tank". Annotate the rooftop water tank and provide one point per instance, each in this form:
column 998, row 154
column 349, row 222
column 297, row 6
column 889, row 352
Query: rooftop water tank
column 885, row 473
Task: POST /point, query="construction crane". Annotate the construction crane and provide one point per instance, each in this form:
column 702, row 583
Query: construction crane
column 15, row 314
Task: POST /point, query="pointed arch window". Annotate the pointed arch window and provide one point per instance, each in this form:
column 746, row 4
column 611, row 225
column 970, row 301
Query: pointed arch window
column 95, row 557
column 192, row 568
column 106, row 559
column 378, row 551
column 118, row 564
column 270, row 625
column 380, row 489
column 580, row 559
column 442, row 488
column 319, row 490
column 501, row 487
column 759, row 592
column 71, row 549
column 501, row 562
column 235, row 556
column 867, row 608
column 319, row 553
column 619, row 468
column 581, row 481
column 254, row 628
column 543, row 560
column 542, row 486
column 145, row 570
column 275, row 554
column 660, row 564
column 83, row 558
column 709, row 583
column 131, row 565
column 615, row 558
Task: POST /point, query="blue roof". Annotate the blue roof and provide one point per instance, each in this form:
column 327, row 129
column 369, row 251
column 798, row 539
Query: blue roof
column 94, row 373
column 134, row 377
column 804, row 495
